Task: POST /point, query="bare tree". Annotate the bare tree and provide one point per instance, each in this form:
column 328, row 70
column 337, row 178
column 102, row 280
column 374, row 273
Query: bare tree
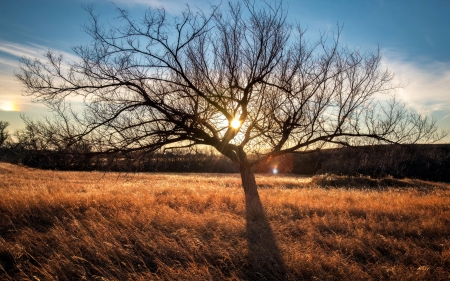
column 4, row 134
column 240, row 79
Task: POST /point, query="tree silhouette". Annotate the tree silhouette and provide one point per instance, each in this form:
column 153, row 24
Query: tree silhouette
column 240, row 79
column 4, row 134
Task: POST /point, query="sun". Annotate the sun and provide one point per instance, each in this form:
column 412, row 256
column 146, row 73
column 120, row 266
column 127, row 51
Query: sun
column 9, row 106
column 235, row 124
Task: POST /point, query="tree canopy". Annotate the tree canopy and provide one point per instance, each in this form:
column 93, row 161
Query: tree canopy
column 239, row 78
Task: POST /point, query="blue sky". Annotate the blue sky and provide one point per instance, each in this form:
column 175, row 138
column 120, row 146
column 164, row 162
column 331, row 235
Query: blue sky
column 414, row 36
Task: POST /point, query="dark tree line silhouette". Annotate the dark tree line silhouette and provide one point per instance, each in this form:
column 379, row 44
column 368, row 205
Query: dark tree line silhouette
column 34, row 148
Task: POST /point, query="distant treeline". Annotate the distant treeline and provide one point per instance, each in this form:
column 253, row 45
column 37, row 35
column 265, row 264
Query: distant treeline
column 430, row 162
column 178, row 161
column 422, row 161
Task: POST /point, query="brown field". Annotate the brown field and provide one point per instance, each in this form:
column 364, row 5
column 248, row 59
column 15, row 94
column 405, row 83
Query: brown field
column 111, row 226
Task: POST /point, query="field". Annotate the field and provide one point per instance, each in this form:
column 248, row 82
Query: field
column 122, row 226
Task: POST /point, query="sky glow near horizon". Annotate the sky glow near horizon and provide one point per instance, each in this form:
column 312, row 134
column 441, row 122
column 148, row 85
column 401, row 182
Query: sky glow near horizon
column 414, row 37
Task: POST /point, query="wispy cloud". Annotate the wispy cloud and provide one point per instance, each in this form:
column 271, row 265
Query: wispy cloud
column 30, row 50
column 10, row 88
column 20, row 50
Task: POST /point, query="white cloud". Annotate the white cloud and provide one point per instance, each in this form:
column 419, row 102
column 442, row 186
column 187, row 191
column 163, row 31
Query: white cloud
column 20, row 50
column 426, row 85
column 30, row 50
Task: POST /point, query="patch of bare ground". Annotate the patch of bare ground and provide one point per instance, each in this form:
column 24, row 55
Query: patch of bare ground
column 110, row 226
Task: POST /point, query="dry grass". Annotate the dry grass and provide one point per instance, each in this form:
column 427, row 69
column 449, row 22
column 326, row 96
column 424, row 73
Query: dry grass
column 109, row 226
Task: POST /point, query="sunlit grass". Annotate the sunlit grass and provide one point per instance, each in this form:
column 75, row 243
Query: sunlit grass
column 87, row 225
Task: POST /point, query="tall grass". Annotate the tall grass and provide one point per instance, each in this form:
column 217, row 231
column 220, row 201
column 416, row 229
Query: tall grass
column 110, row 226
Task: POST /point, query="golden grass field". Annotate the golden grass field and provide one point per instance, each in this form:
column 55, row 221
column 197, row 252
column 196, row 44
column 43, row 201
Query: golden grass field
column 122, row 226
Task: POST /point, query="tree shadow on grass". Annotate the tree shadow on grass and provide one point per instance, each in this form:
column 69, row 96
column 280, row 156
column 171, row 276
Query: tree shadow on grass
column 264, row 257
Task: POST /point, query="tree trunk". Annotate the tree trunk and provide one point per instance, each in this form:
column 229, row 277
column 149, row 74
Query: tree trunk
column 252, row 201
column 264, row 257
